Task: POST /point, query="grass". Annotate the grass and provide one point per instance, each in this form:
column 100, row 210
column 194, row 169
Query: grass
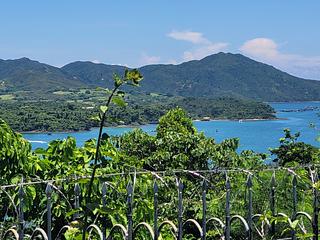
column 7, row 97
column 62, row 92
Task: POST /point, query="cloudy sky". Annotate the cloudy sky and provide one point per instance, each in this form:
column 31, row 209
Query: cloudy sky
column 282, row 33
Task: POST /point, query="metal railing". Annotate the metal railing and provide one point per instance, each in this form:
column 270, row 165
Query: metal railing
column 178, row 225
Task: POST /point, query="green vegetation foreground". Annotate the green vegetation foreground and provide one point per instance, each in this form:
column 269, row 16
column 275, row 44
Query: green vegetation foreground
column 176, row 145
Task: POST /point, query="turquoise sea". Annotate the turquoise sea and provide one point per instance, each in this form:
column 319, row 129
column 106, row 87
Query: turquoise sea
column 254, row 135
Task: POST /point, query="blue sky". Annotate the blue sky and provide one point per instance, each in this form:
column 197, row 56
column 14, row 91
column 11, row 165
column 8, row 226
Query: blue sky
column 282, row 33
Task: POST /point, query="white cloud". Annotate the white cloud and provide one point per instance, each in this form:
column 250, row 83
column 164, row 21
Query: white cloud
column 260, row 47
column 204, row 51
column 267, row 50
column 172, row 61
column 202, row 46
column 95, row 61
column 146, row 59
column 189, row 36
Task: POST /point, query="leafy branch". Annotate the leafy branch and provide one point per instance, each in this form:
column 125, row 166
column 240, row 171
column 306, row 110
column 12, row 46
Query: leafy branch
column 131, row 77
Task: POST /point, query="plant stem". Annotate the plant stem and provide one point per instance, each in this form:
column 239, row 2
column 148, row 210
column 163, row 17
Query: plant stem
column 97, row 156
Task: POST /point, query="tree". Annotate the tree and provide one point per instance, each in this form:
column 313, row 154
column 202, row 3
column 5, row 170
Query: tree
column 14, row 153
column 291, row 152
column 177, row 144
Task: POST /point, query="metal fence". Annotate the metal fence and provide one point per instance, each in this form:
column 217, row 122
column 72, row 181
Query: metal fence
column 154, row 229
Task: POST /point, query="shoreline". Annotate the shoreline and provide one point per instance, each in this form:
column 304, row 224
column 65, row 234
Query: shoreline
column 245, row 120
column 194, row 120
column 153, row 123
column 82, row 130
column 311, row 101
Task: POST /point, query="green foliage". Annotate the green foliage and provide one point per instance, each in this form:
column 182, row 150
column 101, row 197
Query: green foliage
column 175, row 120
column 225, row 155
column 73, row 111
column 137, row 146
column 73, row 234
column 14, row 153
column 177, row 145
column 46, row 116
column 291, row 152
column 225, row 108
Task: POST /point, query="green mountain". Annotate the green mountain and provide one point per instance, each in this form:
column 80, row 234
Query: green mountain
column 222, row 74
column 25, row 74
column 218, row 75
column 93, row 74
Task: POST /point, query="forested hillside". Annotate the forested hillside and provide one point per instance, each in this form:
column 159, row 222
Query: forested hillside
column 72, row 111
column 222, row 74
column 26, row 74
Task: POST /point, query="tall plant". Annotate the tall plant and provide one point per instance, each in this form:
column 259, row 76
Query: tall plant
column 116, row 96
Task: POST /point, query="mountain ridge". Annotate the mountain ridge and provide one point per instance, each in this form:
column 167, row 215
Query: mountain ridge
column 221, row 74
column 27, row 74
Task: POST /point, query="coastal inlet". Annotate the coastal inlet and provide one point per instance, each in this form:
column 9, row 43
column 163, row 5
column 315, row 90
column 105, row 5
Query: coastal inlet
column 254, row 135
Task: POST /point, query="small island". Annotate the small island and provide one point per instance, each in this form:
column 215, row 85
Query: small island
column 73, row 109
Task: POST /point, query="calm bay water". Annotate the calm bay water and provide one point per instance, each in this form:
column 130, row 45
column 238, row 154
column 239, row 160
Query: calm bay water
column 254, row 135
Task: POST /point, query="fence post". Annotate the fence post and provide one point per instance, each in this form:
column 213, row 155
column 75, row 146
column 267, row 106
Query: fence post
column 249, row 218
column 77, row 192
column 155, row 210
column 204, row 209
column 129, row 214
column 294, row 201
column 180, row 209
column 315, row 215
column 49, row 219
column 273, row 202
column 228, row 218
column 104, row 203
column 21, row 215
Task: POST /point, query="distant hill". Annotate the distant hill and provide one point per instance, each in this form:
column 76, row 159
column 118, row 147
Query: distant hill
column 222, row 74
column 93, row 74
column 25, row 74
